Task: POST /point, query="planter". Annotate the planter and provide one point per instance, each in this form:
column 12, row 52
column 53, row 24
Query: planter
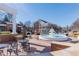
column 59, row 46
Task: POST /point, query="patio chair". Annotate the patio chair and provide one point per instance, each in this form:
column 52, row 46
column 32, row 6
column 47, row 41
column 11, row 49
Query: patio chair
column 12, row 49
column 20, row 47
column 9, row 50
column 74, row 40
column 1, row 52
column 15, row 48
column 25, row 45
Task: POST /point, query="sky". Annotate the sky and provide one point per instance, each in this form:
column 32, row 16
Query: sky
column 57, row 13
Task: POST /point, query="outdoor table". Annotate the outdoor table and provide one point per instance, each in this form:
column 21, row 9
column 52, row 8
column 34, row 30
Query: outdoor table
column 3, row 46
column 21, row 41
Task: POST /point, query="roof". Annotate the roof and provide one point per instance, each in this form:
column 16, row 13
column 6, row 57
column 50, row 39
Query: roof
column 42, row 22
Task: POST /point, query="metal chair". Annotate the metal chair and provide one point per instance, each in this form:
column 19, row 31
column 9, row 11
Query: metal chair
column 1, row 52
column 12, row 48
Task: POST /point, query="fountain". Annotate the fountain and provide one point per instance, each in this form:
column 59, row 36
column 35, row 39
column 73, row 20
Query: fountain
column 51, row 31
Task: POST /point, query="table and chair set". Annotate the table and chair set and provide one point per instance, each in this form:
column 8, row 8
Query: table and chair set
column 14, row 47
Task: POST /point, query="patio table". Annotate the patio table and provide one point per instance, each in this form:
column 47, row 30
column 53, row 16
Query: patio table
column 3, row 46
column 23, row 41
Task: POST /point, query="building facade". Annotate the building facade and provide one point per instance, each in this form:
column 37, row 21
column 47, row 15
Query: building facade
column 41, row 27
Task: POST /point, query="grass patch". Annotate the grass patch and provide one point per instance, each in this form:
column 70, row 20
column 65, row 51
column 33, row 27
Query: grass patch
column 5, row 33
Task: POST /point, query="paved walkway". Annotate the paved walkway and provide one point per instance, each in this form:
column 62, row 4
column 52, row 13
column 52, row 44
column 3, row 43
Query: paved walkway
column 40, row 46
column 43, row 48
column 72, row 51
